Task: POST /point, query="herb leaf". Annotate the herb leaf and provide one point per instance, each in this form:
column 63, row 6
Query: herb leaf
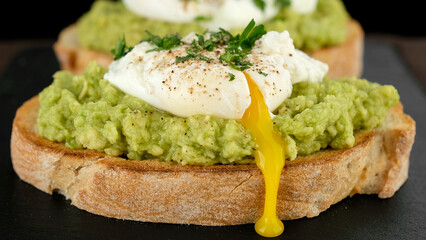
column 166, row 43
column 246, row 31
column 222, row 37
column 260, row 4
column 120, row 49
column 240, row 45
column 262, row 73
column 193, row 56
column 236, row 61
column 203, row 18
column 231, row 77
column 252, row 35
column 279, row 3
column 282, row 3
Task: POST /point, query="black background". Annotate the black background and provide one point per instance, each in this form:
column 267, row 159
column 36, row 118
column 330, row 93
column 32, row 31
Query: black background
column 44, row 19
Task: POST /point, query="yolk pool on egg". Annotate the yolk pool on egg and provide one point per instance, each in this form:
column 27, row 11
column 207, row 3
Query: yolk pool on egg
column 269, row 157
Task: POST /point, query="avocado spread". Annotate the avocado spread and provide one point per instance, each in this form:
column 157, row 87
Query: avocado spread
column 86, row 111
column 107, row 21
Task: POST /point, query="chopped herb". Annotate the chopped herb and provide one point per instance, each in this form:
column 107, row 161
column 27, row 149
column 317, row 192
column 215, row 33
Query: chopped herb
column 203, row 44
column 236, row 61
column 194, row 53
column 120, row 49
column 193, row 56
column 222, row 37
column 279, row 3
column 231, row 77
column 282, row 3
column 250, row 35
column 166, row 43
column 203, row 18
column 240, row 45
column 236, row 50
column 262, row 73
column 237, row 47
column 260, row 4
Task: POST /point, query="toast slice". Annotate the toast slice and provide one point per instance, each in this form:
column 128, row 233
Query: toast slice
column 155, row 191
column 344, row 60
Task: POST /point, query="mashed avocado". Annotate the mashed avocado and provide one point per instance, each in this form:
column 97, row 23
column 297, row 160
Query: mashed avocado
column 86, row 111
column 107, row 21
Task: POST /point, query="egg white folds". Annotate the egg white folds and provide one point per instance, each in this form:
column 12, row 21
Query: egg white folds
column 212, row 88
column 226, row 14
column 220, row 13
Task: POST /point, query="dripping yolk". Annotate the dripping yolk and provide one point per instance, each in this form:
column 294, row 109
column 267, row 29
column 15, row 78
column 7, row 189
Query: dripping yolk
column 269, row 157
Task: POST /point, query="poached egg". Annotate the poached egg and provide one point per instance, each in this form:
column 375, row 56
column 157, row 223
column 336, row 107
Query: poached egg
column 207, row 88
column 226, row 14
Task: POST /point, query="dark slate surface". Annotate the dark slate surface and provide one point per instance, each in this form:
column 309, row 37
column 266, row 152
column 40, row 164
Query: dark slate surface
column 27, row 213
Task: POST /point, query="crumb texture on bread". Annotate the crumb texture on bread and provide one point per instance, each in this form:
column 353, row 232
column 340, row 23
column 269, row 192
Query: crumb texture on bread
column 344, row 60
column 154, row 191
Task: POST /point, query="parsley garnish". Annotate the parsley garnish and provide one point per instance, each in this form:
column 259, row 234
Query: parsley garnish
column 202, row 44
column 198, row 45
column 282, row 3
column 260, row 4
column 222, row 37
column 240, row 45
column 235, row 60
column 203, row 18
column 193, row 56
column 237, row 47
column 120, row 49
column 231, row 76
column 168, row 42
column 262, row 73
column 279, row 3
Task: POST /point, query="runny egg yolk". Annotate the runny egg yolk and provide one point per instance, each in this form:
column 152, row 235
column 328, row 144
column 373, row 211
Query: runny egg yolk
column 269, row 157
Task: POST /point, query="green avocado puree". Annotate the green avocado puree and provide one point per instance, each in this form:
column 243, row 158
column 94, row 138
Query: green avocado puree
column 86, row 111
column 107, row 21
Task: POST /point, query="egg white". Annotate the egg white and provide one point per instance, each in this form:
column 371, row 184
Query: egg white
column 226, row 14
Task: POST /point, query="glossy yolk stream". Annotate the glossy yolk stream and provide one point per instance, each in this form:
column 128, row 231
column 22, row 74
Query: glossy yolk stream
column 269, row 157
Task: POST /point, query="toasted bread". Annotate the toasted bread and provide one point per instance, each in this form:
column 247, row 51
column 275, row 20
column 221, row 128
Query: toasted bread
column 345, row 59
column 155, row 191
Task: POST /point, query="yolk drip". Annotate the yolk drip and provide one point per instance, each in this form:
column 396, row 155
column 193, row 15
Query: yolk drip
column 269, row 158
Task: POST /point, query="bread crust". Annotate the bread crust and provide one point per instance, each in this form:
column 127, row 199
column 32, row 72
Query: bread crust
column 345, row 59
column 155, row 191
